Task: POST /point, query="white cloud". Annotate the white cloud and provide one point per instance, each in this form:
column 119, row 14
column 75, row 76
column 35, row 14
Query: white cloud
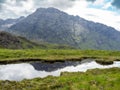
column 14, row 8
column 107, row 5
column 99, row 2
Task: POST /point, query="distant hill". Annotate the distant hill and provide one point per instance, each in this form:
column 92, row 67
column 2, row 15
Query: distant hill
column 10, row 41
column 54, row 26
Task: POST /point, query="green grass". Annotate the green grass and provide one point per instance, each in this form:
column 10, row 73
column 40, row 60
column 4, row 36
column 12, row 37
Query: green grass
column 9, row 55
column 104, row 79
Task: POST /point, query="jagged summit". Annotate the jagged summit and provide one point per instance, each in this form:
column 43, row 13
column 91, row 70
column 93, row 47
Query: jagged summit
column 51, row 9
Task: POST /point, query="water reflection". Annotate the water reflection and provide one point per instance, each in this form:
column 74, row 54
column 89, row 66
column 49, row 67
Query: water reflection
column 48, row 67
column 38, row 69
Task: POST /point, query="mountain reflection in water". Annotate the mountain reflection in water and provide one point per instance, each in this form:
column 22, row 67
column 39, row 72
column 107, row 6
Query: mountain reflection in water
column 31, row 70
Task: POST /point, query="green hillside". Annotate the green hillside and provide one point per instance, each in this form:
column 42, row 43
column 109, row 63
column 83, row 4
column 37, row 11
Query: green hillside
column 10, row 41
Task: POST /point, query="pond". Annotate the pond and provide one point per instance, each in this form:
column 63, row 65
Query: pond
column 17, row 72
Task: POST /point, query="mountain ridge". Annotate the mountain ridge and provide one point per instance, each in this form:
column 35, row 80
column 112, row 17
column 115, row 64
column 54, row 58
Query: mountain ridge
column 5, row 24
column 54, row 26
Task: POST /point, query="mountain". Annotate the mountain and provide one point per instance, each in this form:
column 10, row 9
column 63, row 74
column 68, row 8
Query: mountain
column 5, row 24
column 54, row 26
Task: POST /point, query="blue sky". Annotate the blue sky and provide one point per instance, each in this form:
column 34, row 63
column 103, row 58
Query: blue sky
column 103, row 11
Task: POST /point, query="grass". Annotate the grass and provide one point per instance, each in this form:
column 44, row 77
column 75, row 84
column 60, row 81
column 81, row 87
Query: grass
column 9, row 56
column 104, row 79
column 97, row 79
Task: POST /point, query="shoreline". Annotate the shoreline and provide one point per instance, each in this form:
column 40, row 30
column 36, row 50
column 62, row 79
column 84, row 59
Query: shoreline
column 99, row 60
column 8, row 56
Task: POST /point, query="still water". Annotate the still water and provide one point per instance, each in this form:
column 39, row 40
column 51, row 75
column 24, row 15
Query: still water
column 17, row 72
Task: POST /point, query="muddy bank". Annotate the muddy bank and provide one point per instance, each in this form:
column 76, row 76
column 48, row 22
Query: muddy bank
column 103, row 61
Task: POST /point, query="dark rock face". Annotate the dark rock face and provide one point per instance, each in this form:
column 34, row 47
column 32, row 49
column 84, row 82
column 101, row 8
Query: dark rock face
column 54, row 26
column 9, row 41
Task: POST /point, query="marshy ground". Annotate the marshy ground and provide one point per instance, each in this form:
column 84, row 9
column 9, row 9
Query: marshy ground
column 97, row 79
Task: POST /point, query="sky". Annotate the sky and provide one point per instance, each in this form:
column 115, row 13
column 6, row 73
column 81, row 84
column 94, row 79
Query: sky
column 102, row 11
